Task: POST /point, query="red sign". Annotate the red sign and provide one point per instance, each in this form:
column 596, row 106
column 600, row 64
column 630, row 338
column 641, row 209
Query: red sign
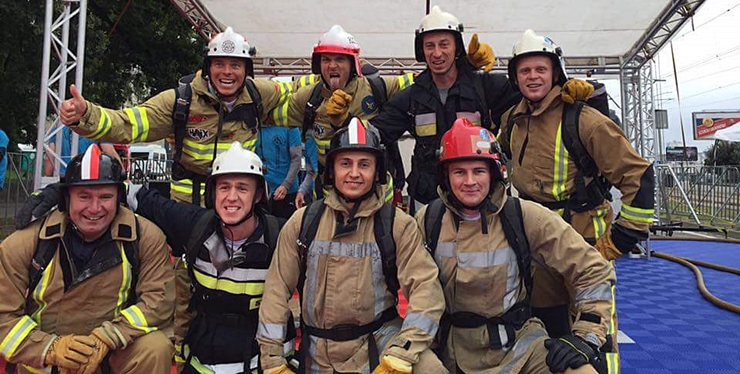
column 708, row 123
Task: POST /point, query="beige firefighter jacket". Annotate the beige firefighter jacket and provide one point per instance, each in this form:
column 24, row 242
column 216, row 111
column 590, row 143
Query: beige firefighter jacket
column 362, row 106
column 29, row 323
column 152, row 121
column 345, row 284
column 545, row 172
column 479, row 274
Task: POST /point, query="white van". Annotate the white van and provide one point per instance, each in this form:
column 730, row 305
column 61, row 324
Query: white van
column 148, row 161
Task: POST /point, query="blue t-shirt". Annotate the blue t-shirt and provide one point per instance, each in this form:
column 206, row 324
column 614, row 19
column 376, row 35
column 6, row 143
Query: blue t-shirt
column 4, row 140
column 311, row 154
column 82, row 145
column 273, row 148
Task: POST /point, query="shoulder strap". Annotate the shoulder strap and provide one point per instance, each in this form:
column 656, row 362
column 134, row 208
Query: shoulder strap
column 181, row 112
column 383, row 227
column 309, row 114
column 272, row 230
column 306, row 235
column 45, row 250
column 513, row 225
column 509, row 129
column 202, row 227
column 131, row 250
column 380, row 94
column 256, row 99
column 572, row 139
column 480, row 97
column 433, row 224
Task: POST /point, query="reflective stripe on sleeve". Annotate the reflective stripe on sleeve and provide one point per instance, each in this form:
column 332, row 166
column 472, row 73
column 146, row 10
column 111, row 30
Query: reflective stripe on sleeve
column 136, row 318
column 15, row 337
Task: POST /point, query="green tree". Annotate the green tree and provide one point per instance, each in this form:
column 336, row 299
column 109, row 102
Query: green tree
column 133, row 50
column 723, row 153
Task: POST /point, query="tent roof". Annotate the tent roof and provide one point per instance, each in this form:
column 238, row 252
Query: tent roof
column 596, row 31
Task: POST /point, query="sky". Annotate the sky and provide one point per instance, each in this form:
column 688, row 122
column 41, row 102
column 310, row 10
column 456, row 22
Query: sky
column 707, row 56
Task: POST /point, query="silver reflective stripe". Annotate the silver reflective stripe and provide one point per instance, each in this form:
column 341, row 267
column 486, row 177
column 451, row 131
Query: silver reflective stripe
column 422, row 322
column 521, row 347
column 444, row 250
column 272, row 331
column 599, row 292
column 139, row 125
column 503, row 336
column 235, row 274
column 486, row 259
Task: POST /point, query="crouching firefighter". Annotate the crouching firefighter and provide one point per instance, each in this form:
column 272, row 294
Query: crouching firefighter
column 485, row 244
column 347, row 255
column 228, row 247
column 88, row 287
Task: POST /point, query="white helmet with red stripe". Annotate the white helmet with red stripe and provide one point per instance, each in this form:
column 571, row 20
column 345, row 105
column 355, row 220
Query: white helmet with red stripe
column 93, row 167
column 338, row 41
column 356, row 136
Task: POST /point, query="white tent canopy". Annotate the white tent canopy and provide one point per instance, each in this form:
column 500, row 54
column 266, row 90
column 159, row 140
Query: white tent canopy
column 385, row 28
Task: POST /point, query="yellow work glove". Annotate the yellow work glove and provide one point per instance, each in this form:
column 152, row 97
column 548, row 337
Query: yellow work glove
column 103, row 345
column 282, row 369
column 576, row 89
column 481, row 54
column 607, row 248
column 338, row 107
column 393, row 365
column 69, row 351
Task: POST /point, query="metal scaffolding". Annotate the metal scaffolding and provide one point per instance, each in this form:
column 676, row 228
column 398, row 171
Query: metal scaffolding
column 59, row 17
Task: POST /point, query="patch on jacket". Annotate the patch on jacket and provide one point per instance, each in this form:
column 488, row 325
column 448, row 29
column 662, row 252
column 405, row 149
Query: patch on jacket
column 368, row 104
column 197, row 118
column 318, row 130
column 198, row 134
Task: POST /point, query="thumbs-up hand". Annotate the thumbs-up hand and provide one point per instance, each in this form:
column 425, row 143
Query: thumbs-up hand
column 72, row 109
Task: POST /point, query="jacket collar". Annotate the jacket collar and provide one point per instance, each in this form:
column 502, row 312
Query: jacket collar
column 498, row 198
column 123, row 227
column 367, row 208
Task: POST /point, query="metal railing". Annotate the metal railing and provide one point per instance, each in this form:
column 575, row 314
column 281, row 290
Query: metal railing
column 18, row 185
column 702, row 195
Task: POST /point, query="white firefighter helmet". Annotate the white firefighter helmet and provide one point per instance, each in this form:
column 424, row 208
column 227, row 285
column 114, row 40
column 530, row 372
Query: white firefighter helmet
column 338, row 41
column 230, row 44
column 531, row 43
column 235, row 160
column 438, row 20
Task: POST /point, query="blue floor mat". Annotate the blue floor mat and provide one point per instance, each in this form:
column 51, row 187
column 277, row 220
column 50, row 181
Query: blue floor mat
column 674, row 328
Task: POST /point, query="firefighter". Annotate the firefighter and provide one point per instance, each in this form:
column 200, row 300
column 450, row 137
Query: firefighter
column 99, row 280
column 343, row 91
column 228, row 247
column 447, row 89
column 348, row 273
column 569, row 167
column 485, row 244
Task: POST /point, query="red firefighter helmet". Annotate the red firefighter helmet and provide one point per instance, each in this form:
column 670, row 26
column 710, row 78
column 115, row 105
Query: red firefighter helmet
column 338, row 41
column 466, row 141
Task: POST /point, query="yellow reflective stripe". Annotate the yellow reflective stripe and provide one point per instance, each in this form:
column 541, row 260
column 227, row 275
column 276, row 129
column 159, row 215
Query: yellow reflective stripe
column 104, row 126
column 185, row 186
column 637, row 214
column 17, row 334
column 560, row 167
column 38, row 293
column 405, row 80
column 249, row 145
column 280, row 113
column 33, row 370
column 200, row 151
column 125, row 281
column 613, row 361
column 599, row 222
column 199, row 367
column 236, row 288
column 136, row 318
column 139, row 124
column 323, row 145
column 389, row 189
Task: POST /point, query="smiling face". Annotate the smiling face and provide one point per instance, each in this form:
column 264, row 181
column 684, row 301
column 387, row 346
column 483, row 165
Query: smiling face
column 235, row 196
column 227, row 76
column 336, row 69
column 92, row 209
column 439, row 52
column 534, row 76
column 354, row 173
column 470, row 181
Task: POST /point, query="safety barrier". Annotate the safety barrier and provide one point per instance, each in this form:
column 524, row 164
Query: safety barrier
column 18, row 185
column 701, row 195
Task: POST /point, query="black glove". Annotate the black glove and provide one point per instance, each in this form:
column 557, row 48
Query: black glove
column 572, row 352
column 39, row 203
